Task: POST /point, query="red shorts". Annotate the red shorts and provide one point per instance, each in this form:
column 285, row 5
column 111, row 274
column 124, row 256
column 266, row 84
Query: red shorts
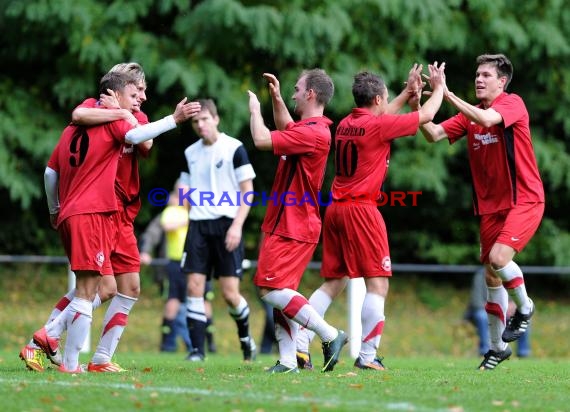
column 512, row 227
column 355, row 242
column 125, row 258
column 89, row 241
column 282, row 262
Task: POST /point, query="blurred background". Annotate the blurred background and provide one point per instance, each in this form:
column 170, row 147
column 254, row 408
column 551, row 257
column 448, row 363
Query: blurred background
column 53, row 54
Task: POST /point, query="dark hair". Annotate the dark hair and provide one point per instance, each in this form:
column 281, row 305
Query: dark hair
column 116, row 81
column 501, row 63
column 321, row 83
column 209, row 105
column 366, row 87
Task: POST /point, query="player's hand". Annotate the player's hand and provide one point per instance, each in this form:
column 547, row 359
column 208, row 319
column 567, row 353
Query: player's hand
column 233, row 238
column 145, row 258
column 414, row 84
column 254, row 105
column 274, row 88
column 109, row 100
column 185, row 111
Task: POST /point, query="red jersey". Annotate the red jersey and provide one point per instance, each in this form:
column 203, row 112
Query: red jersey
column 501, row 157
column 127, row 184
column 362, row 152
column 293, row 204
column 86, row 160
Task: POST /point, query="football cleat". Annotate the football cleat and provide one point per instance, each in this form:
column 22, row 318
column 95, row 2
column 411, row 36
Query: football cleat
column 517, row 325
column 331, row 351
column 105, row 367
column 195, row 356
column 48, row 345
column 248, row 348
column 280, row 368
column 376, row 364
column 33, row 358
column 304, row 360
column 492, row 358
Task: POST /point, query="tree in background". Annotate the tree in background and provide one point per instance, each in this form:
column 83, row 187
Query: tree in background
column 53, row 54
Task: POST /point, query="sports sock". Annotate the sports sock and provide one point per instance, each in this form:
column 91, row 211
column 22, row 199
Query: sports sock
column 372, row 325
column 78, row 317
column 496, row 308
column 56, row 330
column 196, row 320
column 240, row 314
column 168, row 339
column 295, row 306
column 114, row 323
column 286, row 334
column 97, row 301
column 320, row 301
column 513, row 281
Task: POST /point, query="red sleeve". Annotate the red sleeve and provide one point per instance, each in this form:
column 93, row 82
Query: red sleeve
column 53, row 162
column 118, row 129
column 511, row 108
column 455, row 127
column 295, row 139
column 141, row 117
column 88, row 103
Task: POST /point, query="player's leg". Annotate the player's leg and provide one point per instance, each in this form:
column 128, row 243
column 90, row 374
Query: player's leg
column 519, row 225
column 196, row 315
column 32, row 354
column 285, row 332
column 373, row 319
column 176, row 294
column 320, row 300
column 278, row 277
column 496, row 308
column 238, row 309
column 78, row 317
column 114, row 322
column 366, row 253
column 210, row 328
column 196, row 263
column 125, row 260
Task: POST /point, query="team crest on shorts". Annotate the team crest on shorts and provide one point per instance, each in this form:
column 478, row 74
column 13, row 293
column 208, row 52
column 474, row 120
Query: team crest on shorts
column 387, row 264
column 100, row 259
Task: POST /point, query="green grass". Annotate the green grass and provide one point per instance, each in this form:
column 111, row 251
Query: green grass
column 431, row 355
column 162, row 382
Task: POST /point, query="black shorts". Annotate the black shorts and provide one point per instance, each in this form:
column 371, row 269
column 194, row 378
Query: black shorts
column 177, row 283
column 205, row 252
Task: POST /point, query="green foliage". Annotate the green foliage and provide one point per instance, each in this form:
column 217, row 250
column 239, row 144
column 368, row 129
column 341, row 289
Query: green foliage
column 53, row 54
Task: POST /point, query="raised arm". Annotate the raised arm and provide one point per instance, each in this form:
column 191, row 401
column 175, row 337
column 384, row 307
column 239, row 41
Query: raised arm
column 183, row 112
column 281, row 114
column 259, row 132
column 431, row 131
column 413, row 85
column 485, row 117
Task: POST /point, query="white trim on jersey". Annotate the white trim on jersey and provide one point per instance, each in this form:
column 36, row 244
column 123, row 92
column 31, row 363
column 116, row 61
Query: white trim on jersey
column 214, row 182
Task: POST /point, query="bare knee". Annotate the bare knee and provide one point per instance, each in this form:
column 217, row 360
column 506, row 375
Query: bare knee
column 107, row 288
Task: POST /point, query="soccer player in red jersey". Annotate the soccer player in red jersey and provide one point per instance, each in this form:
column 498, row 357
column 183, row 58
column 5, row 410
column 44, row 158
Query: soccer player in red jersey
column 81, row 174
column 124, row 287
column 292, row 224
column 508, row 192
column 355, row 241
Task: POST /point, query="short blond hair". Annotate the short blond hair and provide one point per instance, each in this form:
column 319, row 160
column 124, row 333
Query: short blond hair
column 132, row 68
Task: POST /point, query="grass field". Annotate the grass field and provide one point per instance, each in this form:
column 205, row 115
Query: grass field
column 160, row 382
column 430, row 353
